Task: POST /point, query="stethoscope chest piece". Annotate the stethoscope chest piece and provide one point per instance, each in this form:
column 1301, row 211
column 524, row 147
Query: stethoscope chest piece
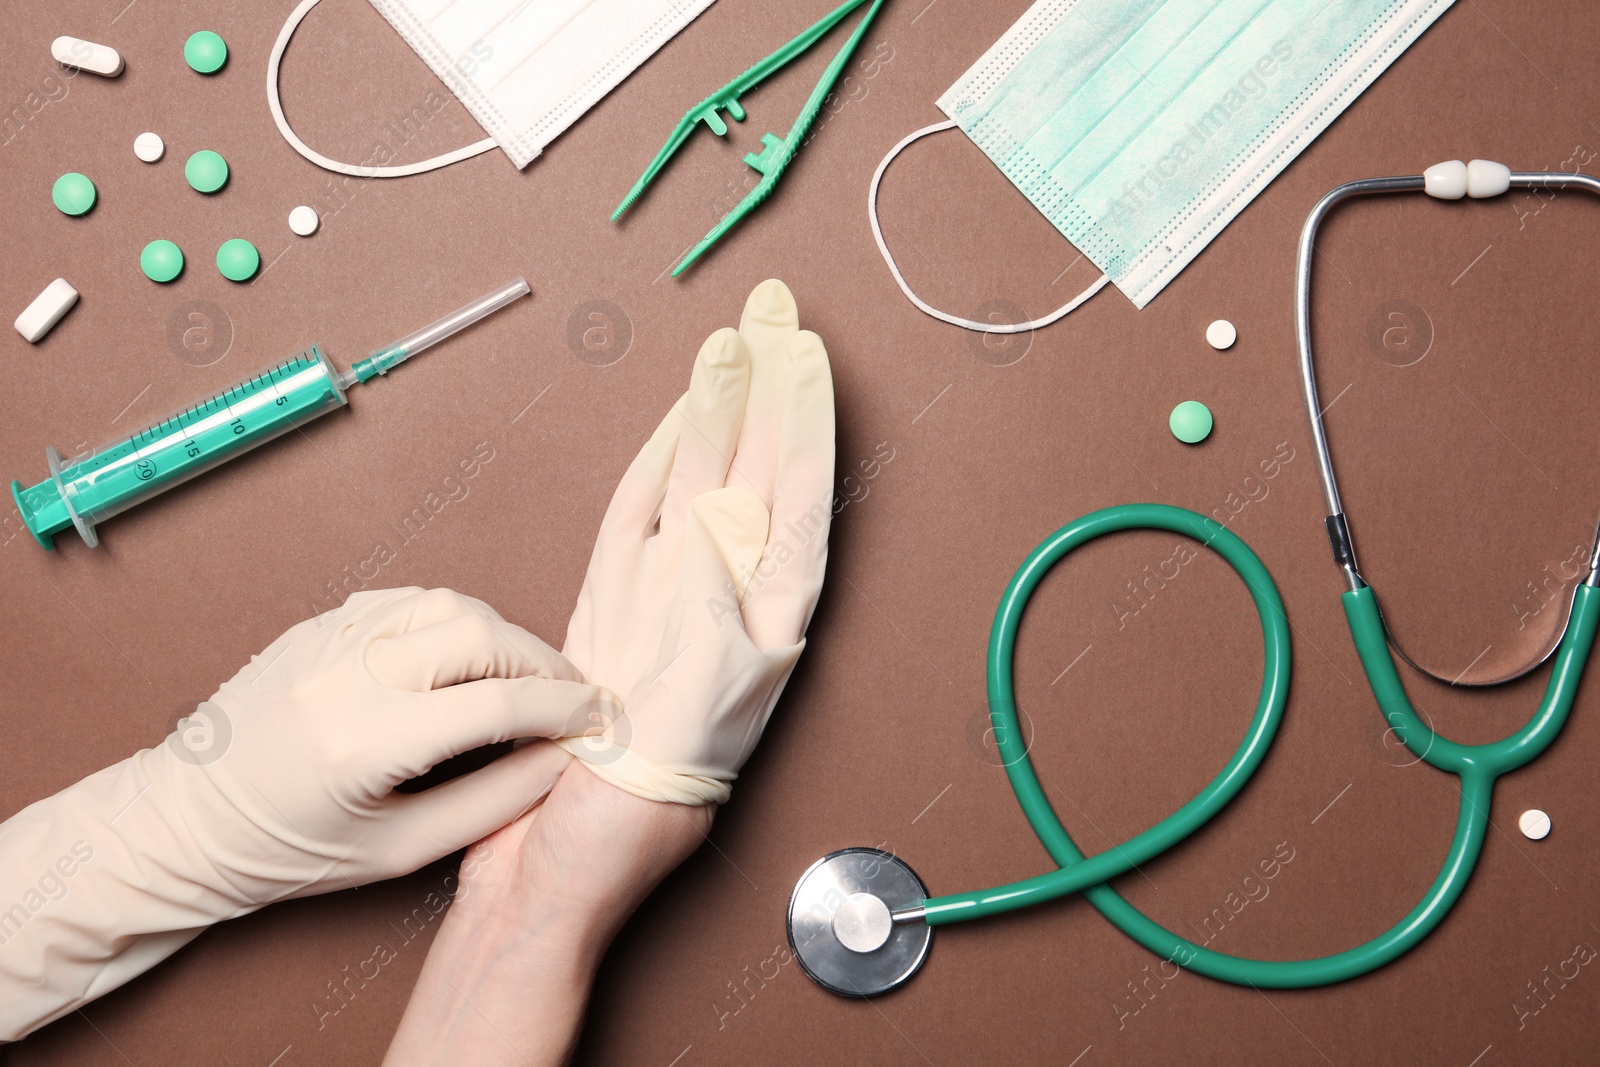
column 842, row 924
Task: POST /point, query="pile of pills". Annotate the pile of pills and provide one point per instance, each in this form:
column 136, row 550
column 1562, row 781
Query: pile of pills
column 206, row 171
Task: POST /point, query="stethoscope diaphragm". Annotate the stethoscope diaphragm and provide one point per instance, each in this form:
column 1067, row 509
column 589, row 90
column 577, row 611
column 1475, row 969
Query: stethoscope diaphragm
column 842, row 924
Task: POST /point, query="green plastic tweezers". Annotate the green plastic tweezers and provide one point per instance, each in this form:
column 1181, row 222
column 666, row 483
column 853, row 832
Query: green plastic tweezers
column 776, row 152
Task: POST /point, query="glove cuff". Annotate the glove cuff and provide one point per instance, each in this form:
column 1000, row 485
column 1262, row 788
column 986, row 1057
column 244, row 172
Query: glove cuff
column 633, row 773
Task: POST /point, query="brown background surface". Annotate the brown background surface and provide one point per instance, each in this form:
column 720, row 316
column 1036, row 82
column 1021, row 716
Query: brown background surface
column 1466, row 475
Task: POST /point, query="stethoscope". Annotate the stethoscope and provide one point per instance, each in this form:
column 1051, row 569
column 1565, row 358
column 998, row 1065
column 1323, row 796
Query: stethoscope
column 860, row 921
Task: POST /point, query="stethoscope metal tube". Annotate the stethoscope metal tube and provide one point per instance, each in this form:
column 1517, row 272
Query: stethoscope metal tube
column 859, row 921
column 1338, row 525
column 1338, row 533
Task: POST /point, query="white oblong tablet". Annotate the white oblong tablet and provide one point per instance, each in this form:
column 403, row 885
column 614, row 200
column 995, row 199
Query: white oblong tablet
column 149, row 147
column 303, row 220
column 86, row 55
column 46, row 310
column 1534, row 824
column 1221, row 334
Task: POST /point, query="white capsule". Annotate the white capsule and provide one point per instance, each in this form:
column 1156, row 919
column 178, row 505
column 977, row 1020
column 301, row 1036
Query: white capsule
column 1534, row 824
column 86, row 55
column 1447, row 181
column 303, row 220
column 1221, row 334
column 149, row 147
column 1487, row 178
column 46, row 310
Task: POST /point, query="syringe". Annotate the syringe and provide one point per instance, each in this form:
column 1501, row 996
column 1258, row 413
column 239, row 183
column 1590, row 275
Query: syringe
column 91, row 488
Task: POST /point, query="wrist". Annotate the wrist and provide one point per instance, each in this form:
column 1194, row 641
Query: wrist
column 538, row 906
column 501, row 929
column 510, row 989
column 599, row 850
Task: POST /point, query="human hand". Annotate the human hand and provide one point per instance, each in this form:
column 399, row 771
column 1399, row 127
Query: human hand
column 537, row 903
column 282, row 785
column 707, row 567
column 709, row 561
column 346, row 706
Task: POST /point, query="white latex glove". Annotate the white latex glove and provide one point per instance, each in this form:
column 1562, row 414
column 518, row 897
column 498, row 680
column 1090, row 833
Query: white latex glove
column 281, row 785
column 710, row 560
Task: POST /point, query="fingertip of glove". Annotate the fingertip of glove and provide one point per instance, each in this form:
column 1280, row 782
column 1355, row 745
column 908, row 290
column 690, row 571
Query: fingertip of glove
column 809, row 355
column 810, row 415
column 807, row 342
column 770, row 304
column 723, row 350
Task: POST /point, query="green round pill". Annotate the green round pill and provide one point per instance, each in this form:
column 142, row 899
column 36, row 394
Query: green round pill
column 1190, row 422
column 206, row 171
column 238, row 259
column 73, row 193
column 161, row 261
column 205, row 52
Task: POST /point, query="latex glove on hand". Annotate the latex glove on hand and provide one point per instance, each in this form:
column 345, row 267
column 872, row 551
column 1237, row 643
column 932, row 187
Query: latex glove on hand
column 281, row 785
column 709, row 562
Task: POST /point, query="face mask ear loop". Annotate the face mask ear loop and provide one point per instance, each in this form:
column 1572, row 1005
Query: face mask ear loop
column 894, row 269
column 276, row 106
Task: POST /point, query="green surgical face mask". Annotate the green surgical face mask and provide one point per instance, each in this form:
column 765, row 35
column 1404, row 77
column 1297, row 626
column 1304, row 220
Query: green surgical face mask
column 1140, row 128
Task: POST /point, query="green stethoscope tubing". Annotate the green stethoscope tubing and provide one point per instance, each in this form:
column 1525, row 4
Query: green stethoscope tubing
column 1477, row 766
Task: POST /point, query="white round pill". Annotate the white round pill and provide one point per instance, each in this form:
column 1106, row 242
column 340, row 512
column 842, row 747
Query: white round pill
column 1534, row 824
column 303, row 220
column 149, row 147
column 1221, row 334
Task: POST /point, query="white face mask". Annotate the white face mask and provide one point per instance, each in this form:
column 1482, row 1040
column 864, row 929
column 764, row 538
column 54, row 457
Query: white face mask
column 526, row 69
column 1140, row 128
